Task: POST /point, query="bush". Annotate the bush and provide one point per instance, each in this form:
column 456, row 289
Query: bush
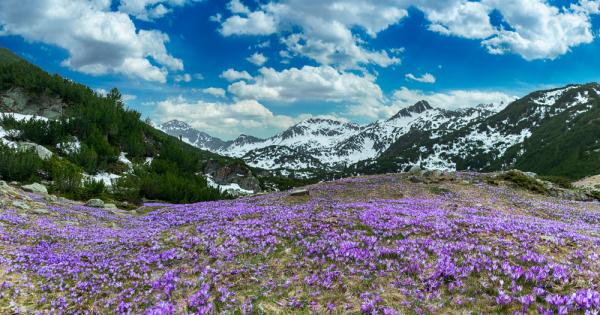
column 127, row 188
column 518, row 179
column 596, row 194
column 18, row 165
column 178, row 189
column 93, row 189
column 66, row 176
column 558, row 180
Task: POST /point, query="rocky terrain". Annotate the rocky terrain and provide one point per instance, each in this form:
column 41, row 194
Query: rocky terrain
column 407, row 243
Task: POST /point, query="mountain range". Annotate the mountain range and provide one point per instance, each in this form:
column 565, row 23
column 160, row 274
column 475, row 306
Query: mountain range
column 527, row 133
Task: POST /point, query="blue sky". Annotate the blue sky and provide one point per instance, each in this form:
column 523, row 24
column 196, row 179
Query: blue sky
column 257, row 67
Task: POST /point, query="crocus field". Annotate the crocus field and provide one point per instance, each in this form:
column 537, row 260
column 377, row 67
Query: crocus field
column 365, row 245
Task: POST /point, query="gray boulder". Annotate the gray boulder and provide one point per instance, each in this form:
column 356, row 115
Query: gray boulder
column 95, row 203
column 21, row 205
column 41, row 211
column 41, row 151
column 299, row 192
column 35, row 188
column 232, row 174
column 415, row 169
column 110, row 206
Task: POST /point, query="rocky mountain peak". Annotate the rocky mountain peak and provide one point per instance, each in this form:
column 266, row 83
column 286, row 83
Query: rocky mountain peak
column 176, row 124
column 417, row 108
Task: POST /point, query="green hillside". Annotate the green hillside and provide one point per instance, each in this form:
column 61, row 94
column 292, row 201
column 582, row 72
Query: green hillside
column 104, row 128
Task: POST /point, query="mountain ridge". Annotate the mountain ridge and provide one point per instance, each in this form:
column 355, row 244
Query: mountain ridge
column 485, row 137
column 334, row 144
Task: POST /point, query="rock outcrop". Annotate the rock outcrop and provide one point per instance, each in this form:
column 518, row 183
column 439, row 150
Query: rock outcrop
column 232, row 174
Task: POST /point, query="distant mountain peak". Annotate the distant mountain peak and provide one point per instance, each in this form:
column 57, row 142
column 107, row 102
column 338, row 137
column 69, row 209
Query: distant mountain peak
column 417, row 108
column 176, row 124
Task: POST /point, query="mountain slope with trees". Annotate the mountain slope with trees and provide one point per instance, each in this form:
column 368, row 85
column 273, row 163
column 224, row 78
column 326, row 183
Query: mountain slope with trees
column 93, row 134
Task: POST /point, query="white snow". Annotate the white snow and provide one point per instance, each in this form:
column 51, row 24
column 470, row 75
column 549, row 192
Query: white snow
column 22, row 117
column 233, row 187
column 70, row 147
column 104, row 177
column 123, row 159
column 550, row 98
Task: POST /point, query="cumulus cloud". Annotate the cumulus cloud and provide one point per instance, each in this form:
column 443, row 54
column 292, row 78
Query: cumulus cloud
column 255, row 23
column 99, row 41
column 325, row 28
column 236, row 6
column 404, row 97
column 257, row 59
column 325, row 31
column 536, row 29
column 308, row 83
column 465, row 19
column 425, row 78
column 148, row 10
column 540, row 30
column 186, row 77
column 217, row 92
column 227, row 120
column 453, row 99
column 234, row 75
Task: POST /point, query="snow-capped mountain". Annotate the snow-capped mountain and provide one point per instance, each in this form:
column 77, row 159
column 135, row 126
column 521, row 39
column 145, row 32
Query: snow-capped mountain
column 505, row 139
column 485, row 137
column 327, row 143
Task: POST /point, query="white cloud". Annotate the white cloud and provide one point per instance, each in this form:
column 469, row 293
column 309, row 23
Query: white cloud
column 587, row 6
column 128, row 97
column 325, row 28
column 541, row 31
column 98, row 40
column 325, row 31
column 148, row 10
column 186, row 77
column 465, row 19
column 257, row 59
column 227, row 120
column 425, row 78
column 217, row 92
column 308, row 83
column 453, row 99
column 236, row 6
column 255, row 23
column 537, row 29
column 234, row 75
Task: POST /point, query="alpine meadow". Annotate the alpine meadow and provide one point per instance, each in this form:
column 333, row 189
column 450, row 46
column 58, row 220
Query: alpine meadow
column 174, row 157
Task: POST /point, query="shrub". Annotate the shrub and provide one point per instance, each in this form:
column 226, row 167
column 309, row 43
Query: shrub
column 518, row 179
column 127, row 188
column 559, row 180
column 18, row 165
column 66, row 176
column 596, row 194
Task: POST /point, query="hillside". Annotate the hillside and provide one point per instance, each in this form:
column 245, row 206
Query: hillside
column 93, row 146
column 549, row 132
column 389, row 244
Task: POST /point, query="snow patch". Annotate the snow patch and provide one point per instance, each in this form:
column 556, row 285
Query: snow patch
column 229, row 188
column 106, row 178
column 123, row 159
column 70, row 147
